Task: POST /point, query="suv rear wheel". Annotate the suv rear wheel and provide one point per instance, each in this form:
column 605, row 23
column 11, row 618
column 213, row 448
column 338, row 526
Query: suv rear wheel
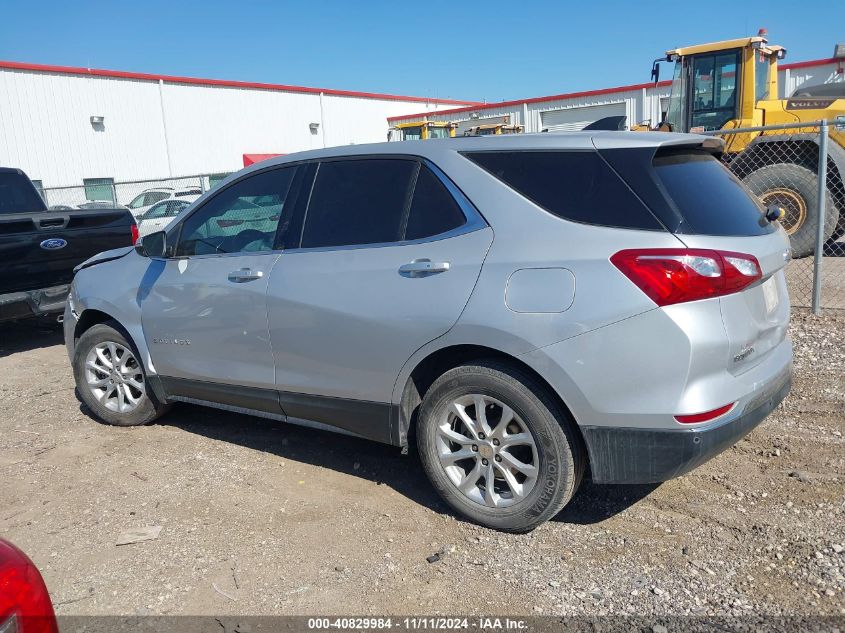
column 497, row 448
column 111, row 380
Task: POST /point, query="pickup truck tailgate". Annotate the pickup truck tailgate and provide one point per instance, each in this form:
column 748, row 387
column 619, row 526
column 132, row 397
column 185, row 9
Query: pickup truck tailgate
column 40, row 250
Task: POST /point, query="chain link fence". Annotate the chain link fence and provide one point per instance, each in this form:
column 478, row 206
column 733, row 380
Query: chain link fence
column 138, row 196
column 782, row 165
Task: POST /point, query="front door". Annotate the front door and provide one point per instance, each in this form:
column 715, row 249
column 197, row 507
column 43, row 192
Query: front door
column 204, row 312
column 388, row 259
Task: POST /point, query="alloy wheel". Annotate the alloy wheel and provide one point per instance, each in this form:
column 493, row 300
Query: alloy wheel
column 487, row 451
column 114, row 377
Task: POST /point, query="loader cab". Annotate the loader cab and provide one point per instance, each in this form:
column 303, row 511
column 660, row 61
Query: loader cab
column 421, row 131
column 720, row 85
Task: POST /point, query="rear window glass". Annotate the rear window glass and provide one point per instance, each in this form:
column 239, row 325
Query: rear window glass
column 17, row 195
column 710, row 198
column 578, row 186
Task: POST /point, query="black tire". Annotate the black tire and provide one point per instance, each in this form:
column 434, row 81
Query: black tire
column 796, row 189
column 559, row 449
column 148, row 408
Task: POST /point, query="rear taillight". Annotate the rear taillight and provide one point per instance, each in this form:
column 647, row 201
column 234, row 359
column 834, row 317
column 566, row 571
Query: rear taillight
column 677, row 275
column 135, row 233
column 25, row 605
column 705, row 416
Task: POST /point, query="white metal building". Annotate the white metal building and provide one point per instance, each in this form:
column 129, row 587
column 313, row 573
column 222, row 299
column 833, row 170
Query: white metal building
column 64, row 126
column 640, row 102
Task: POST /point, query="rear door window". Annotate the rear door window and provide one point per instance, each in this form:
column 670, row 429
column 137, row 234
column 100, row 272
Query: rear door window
column 574, row 185
column 357, row 202
column 711, row 200
column 433, row 209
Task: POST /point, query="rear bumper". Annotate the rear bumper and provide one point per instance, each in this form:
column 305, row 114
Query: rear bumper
column 33, row 303
column 642, row 455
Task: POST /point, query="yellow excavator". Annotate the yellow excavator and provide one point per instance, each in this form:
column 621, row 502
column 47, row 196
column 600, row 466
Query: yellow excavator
column 421, row 130
column 734, row 84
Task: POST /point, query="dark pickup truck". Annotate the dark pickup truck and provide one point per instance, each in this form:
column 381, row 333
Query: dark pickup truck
column 39, row 248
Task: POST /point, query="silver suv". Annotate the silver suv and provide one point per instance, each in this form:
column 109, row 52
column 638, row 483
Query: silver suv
column 527, row 310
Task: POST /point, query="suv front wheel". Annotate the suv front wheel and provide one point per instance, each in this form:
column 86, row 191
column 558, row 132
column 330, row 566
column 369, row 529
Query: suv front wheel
column 497, row 447
column 110, row 379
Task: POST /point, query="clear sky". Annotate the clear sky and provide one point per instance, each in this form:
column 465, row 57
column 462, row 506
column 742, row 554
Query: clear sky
column 460, row 49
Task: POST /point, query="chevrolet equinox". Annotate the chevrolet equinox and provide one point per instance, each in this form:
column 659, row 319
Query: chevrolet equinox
column 526, row 310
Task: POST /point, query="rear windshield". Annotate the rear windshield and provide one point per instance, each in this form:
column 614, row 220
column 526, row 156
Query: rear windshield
column 574, row 185
column 711, row 200
column 18, row 195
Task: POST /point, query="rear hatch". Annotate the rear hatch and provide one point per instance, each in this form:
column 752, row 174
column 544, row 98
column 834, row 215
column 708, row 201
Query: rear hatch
column 40, row 249
column 707, row 207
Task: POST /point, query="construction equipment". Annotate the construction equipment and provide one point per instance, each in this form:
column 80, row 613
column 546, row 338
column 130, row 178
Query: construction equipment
column 493, row 128
column 421, row 131
column 734, row 84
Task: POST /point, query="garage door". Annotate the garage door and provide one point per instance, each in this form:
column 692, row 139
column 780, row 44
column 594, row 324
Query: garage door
column 578, row 118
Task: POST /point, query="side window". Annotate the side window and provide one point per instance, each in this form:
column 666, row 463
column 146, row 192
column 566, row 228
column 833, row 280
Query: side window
column 433, row 209
column 156, row 211
column 357, row 202
column 174, row 207
column 576, row 186
column 155, row 196
column 241, row 217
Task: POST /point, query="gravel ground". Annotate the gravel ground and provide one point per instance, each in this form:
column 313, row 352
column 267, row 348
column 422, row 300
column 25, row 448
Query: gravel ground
column 260, row 517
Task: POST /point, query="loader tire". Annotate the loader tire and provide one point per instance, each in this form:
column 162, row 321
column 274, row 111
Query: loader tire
column 795, row 189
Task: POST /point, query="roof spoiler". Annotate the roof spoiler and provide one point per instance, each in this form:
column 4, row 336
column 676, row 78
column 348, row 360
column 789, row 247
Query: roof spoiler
column 612, row 123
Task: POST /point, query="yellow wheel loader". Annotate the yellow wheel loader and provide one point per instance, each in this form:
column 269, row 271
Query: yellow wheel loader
column 421, row 131
column 493, row 129
column 734, row 84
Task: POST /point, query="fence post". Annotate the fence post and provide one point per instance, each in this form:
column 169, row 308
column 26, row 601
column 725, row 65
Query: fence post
column 822, row 198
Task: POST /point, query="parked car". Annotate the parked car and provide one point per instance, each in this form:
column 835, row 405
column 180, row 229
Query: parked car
column 530, row 308
column 162, row 213
column 25, row 605
column 141, row 203
column 41, row 247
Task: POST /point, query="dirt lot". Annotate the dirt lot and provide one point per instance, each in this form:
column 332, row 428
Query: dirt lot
column 263, row 518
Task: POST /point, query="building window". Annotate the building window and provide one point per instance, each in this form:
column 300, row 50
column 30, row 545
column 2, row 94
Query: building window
column 39, row 186
column 99, row 189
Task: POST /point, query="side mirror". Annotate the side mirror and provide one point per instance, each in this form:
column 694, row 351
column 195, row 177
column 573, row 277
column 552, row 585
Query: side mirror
column 152, row 245
column 655, row 71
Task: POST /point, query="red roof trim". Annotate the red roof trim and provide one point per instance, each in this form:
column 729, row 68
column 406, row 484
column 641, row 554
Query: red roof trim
column 809, row 64
column 504, row 104
column 587, row 93
column 121, row 74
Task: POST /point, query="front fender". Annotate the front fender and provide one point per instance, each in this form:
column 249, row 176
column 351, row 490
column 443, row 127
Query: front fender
column 115, row 288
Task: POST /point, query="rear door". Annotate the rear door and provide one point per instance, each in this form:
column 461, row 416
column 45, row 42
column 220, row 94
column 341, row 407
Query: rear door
column 389, row 254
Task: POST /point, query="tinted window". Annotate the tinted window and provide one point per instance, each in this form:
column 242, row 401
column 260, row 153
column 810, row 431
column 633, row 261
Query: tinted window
column 156, row 211
column 174, row 207
column 357, row 202
column 155, row 196
column 241, row 217
column 433, row 210
column 710, row 198
column 17, row 195
column 577, row 186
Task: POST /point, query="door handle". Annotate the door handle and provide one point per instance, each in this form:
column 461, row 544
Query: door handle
column 422, row 268
column 244, row 275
